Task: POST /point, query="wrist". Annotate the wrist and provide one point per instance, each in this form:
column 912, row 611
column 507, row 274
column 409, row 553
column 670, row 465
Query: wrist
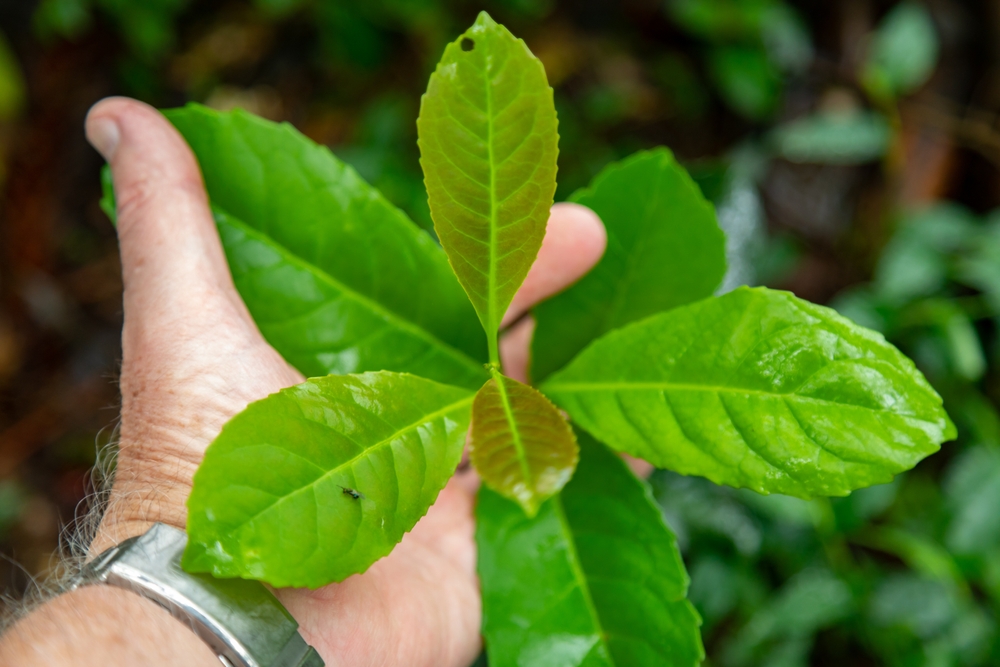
column 147, row 488
column 99, row 625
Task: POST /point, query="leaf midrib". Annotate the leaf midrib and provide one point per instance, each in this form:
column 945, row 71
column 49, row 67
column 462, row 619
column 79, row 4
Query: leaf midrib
column 586, row 387
column 522, row 455
column 396, row 320
column 492, row 296
column 580, row 575
column 363, row 453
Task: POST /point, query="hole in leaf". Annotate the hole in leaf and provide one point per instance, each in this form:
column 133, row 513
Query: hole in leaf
column 468, row 44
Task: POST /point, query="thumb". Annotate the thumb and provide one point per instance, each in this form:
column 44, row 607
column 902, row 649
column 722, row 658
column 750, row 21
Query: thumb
column 172, row 259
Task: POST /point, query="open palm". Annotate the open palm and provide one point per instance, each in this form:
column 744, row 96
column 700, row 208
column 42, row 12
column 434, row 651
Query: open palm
column 193, row 358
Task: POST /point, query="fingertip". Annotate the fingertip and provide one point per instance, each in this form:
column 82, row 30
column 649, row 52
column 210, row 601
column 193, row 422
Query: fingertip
column 580, row 228
column 575, row 240
column 103, row 125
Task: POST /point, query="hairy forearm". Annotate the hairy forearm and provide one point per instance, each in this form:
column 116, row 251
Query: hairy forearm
column 102, row 626
column 107, row 626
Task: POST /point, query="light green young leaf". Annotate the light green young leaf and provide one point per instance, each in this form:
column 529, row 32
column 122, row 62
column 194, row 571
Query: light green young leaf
column 594, row 579
column 834, row 138
column 488, row 146
column 337, row 279
column 317, row 482
column 520, row 444
column 665, row 249
column 903, row 52
column 756, row 389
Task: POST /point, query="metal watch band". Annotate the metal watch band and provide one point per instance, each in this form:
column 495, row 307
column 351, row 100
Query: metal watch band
column 240, row 620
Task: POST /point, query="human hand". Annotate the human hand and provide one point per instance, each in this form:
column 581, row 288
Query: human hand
column 192, row 358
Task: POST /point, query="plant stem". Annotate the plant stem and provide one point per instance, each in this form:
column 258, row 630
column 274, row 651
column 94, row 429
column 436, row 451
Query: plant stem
column 494, row 349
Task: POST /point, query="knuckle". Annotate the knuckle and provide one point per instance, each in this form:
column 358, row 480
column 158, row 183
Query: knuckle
column 153, row 194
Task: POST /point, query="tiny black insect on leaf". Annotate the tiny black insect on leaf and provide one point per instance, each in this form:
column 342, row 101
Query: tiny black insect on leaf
column 352, row 493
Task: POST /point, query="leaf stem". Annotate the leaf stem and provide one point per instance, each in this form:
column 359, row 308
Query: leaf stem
column 494, row 349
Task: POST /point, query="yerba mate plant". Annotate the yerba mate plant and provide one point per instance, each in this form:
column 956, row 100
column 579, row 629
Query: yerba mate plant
column 755, row 388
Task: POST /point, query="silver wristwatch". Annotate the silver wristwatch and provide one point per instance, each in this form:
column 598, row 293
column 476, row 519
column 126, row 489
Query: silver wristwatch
column 240, row 620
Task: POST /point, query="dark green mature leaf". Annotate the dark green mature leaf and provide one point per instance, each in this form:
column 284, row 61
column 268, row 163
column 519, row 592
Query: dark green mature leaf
column 317, row 482
column 594, row 579
column 756, row 389
column 665, row 249
column 338, row 279
column 488, row 147
column 520, row 444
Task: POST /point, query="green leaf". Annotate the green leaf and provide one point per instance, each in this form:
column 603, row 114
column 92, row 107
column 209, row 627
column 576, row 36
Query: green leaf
column 746, row 79
column 520, row 444
column 317, row 482
column 846, row 138
column 915, row 262
column 488, row 146
column 108, row 203
column 337, row 279
column 665, row 249
column 903, row 52
column 13, row 93
column 594, row 579
column 756, row 389
column 721, row 20
column 972, row 491
column 812, row 600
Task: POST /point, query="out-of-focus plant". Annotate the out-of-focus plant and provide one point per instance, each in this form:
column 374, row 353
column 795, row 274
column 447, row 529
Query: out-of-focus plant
column 147, row 26
column 900, row 58
column 750, row 47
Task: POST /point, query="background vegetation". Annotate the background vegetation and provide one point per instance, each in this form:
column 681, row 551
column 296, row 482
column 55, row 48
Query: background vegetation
column 851, row 148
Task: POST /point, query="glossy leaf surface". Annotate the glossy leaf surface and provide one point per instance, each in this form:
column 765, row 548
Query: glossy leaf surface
column 520, row 444
column 756, row 389
column 338, row 279
column 317, row 482
column 488, row 146
column 665, row 249
column 594, row 579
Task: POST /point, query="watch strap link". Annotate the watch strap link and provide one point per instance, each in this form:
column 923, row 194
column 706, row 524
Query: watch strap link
column 240, row 620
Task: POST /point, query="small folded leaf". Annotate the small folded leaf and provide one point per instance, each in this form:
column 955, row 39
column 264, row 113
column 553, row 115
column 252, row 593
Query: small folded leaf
column 756, row 389
column 594, row 579
column 665, row 249
column 488, row 145
column 337, row 279
column 317, row 482
column 520, row 444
